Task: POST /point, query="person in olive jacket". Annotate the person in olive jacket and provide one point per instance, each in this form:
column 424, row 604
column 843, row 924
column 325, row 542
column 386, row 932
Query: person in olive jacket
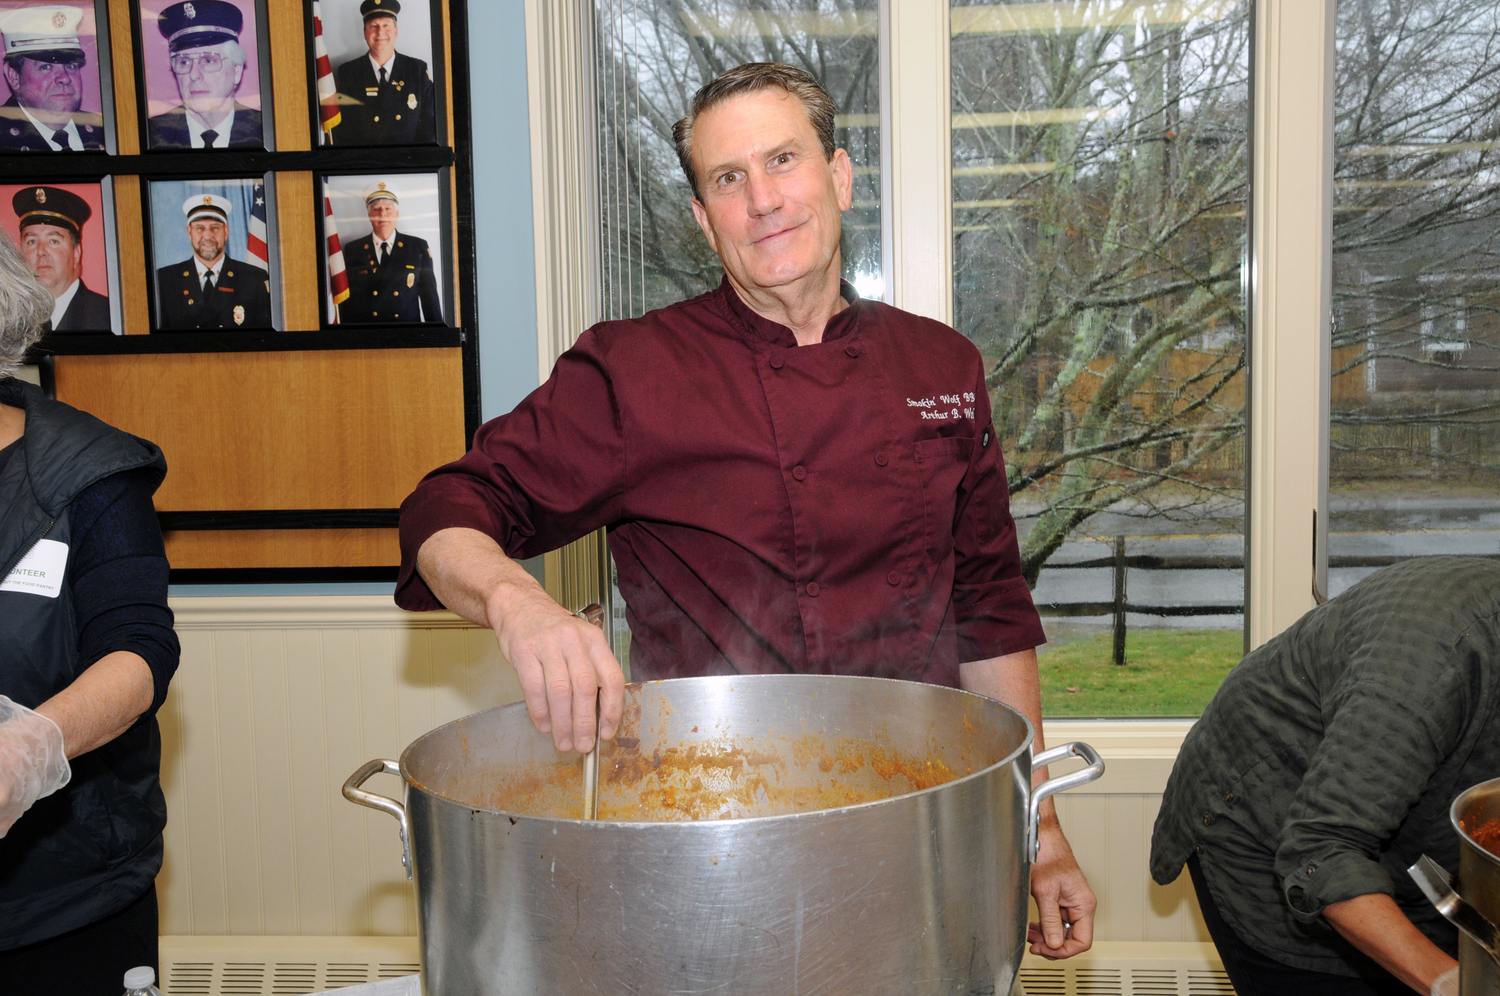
column 86, row 654
column 390, row 273
column 386, row 98
column 1324, row 767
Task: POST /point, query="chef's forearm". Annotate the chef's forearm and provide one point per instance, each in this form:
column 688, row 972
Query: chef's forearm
column 1376, row 925
column 466, row 568
column 1012, row 679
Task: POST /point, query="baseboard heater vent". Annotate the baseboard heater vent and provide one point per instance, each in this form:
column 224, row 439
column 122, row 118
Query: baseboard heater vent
column 294, row 966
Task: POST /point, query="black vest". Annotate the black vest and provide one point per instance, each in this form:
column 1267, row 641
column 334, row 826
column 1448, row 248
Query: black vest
column 94, row 847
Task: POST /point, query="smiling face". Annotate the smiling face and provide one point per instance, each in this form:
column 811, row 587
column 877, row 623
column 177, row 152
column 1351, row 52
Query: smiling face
column 53, row 255
column 208, row 238
column 208, row 93
column 380, row 35
column 771, row 202
column 383, row 213
column 51, row 88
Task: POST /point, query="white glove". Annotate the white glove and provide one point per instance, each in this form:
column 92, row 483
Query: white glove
column 32, row 762
column 1446, row 984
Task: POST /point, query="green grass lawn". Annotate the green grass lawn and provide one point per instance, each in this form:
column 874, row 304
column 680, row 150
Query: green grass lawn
column 1167, row 672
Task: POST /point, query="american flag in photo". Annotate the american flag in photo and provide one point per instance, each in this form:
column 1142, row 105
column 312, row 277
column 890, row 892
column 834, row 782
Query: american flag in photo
column 338, row 283
column 328, row 96
column 255, row 242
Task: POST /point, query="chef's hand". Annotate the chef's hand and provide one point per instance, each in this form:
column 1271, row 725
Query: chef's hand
column 32, row 762
column 563, row 664
column 1064, row 900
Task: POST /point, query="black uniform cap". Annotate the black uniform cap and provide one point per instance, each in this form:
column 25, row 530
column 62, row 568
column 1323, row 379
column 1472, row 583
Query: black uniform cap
column 199, row 23
column 380, row 8
column 51, row 206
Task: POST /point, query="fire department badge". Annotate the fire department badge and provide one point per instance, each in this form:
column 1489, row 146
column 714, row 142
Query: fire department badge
column 41, row 196
column 239, row 314
column 411, row 101
column 411, row 280
column 59, row 20
column 188, row 11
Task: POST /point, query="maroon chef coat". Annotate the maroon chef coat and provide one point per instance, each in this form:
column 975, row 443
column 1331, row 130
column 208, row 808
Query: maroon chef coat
column 839, row 508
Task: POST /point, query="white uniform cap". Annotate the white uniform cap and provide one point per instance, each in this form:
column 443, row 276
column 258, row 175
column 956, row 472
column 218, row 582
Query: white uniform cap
column 207, row 206
column 40, row 29
column 384, row 188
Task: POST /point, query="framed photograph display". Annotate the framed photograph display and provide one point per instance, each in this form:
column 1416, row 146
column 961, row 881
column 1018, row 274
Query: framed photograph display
column 55, row 55
column 64, row 233
column 203, row 72
column 384, row 242
column 212, row 262
column 374, row 66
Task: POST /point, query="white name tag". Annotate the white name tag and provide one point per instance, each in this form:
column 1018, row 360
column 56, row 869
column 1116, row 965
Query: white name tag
column 41, row 571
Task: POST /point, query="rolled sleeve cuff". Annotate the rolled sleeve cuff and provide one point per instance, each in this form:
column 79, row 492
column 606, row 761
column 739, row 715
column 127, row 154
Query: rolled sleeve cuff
column 1316, row 884
column 995, row 618
column 436, row 505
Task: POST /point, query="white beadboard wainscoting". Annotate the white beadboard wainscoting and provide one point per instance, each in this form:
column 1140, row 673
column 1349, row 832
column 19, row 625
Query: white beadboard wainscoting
column 278, row 700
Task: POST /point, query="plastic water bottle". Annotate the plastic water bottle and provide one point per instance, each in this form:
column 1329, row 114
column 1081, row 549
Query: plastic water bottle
column 141, row 982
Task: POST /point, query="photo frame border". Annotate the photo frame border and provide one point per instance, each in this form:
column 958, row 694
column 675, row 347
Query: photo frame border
column 439, row 82
column 263, row 67
column 273, row 260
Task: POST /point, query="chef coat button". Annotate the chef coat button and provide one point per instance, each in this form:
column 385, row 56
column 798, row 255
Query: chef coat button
column 813, row 589
column 1208, row 819
column 852, row 350
column 799, row 472
column 893, row 578
column 881, row 459
column 776, row 361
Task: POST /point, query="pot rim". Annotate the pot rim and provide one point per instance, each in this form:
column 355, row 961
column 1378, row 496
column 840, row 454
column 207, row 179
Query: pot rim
column 514, row 816
column 1491, row 784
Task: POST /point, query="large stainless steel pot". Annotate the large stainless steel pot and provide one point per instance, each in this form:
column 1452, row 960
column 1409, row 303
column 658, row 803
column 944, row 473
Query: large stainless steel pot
column 921, row 892
column 1473, row 902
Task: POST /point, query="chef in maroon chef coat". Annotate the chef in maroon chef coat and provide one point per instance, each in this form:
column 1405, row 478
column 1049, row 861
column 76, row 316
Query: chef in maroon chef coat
column 793, row 479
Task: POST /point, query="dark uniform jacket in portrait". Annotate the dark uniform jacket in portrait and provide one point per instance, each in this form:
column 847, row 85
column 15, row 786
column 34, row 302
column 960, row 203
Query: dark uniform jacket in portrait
column 87, row 312
column 1327, row 762
column 404, row 289
column 400, row 113
column 18, row 134
column 170, row 130
column 241, row 300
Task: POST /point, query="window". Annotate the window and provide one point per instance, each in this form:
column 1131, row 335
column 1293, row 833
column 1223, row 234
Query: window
column 1100, row 183
column 1415, row 451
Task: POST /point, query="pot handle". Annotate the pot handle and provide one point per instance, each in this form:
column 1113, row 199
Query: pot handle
column 1061, row 783
column 385, row 804
column 1437, row 885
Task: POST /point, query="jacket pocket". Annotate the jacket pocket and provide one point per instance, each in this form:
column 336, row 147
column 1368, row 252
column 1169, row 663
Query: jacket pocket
column 941, row 466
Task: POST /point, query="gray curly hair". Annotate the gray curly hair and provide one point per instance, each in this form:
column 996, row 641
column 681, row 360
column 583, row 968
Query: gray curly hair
column 24, row 306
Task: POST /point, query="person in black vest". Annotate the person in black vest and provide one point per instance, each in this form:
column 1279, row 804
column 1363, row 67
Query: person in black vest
column 386, row 98
column 86, row 653
column 44, row 70
column 390, row 272
column 203, row 37
column 51, row 239
column 210, row 290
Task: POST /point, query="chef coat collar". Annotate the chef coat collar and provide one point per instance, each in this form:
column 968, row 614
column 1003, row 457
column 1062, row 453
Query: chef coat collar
column 844, row 323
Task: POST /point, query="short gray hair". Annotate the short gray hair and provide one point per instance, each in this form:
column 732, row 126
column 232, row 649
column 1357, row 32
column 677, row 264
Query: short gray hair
column 753, row 77
column 24, row 306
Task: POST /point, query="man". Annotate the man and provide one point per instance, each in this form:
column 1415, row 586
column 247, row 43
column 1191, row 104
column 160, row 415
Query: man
column 203, row 39
column 44, row 70
column 50, row 234
column 385, row 98
column 793, row 479
column 211, row 290
column 1323, row 768
column 390, row 273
